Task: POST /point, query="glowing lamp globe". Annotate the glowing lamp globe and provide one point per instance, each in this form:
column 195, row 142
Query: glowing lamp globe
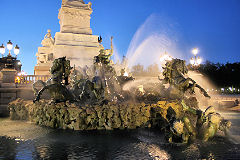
column 9, row 45
column 16, row 50
column 2, row 49
column 195, row 51
column 192, row 61
column 199, row 60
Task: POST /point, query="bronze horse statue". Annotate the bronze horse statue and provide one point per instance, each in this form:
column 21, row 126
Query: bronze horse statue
column 174, row 74
column 56, row 85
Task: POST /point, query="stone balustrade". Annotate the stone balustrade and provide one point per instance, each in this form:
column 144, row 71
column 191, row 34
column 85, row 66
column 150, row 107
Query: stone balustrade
column 30, row 79
column 13, row 87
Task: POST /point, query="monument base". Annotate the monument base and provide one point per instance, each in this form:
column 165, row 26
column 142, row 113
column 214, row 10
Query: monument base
column 80, row 49
column 42, row 70
column 8, row 75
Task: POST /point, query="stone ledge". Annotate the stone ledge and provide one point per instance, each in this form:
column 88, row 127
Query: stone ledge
column 106, row 117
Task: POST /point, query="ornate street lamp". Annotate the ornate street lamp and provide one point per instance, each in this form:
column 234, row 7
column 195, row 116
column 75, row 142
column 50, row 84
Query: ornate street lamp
column 195, row 61
column 16, row 50
column 9, row 47
column 2, row 49
column 10, row 61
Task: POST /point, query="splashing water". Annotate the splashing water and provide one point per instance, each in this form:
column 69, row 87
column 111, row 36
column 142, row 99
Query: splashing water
column 155, row 36
column 116, row 57
column 206, row 84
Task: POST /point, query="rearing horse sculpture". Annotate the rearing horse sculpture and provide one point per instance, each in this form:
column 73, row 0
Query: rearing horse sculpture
column 174, row 73
column 56, row 85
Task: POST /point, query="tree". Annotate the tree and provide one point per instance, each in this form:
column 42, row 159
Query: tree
column 138, row 70
column 153, row 70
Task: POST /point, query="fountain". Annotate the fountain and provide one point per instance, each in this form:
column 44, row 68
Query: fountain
column 100, row 103
column 110, row 119
column 94, row 113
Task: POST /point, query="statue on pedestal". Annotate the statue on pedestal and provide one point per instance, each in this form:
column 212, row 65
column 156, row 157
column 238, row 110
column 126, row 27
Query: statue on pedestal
column 77, row 3
column 48, row 41
column 45, row 54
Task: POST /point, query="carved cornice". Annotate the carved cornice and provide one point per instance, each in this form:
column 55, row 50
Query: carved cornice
column 73, row 13
column 78, row 4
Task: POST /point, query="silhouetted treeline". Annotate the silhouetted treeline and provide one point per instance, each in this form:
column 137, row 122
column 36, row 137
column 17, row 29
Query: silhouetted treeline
column 152, row 70
column 223, row 75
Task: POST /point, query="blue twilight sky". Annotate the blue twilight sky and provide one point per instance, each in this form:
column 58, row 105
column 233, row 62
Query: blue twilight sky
column 211, row 25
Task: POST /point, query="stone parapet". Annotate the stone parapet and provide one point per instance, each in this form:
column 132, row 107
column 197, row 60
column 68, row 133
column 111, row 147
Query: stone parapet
column 75, row 17
column 106, row 117
column 76, row 39
column 8, row 75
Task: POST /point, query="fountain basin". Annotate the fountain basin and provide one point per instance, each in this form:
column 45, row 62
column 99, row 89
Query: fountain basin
column 106, row 117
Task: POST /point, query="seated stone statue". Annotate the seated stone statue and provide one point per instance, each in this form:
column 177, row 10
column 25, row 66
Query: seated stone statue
column 48, row 41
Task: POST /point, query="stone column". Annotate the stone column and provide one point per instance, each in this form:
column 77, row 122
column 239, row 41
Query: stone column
column 7, row 89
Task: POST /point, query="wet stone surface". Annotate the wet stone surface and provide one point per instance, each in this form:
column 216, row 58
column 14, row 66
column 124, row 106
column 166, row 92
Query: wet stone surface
column 24, row 140
column 134, row 144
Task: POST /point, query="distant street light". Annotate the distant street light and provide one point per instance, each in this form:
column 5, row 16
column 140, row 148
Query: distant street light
column 165, row 57
column 195, row 51
column 195, row 61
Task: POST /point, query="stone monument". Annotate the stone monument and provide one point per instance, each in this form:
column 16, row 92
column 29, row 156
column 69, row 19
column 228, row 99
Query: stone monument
column 45, row 55
column 75, row 39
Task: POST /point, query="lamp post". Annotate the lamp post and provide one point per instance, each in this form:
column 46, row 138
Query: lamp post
column 195, row 61
column 2, row 49
column 10, row 61
column 9, row 47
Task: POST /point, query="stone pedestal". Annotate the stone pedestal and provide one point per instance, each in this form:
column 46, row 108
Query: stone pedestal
column 7, row 86
column 75, row 17
column 75, row 39
column 80, row 49
column 8, row 75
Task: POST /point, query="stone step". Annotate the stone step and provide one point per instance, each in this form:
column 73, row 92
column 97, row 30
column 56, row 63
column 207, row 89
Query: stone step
column 8, row 95
column 8, row 85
